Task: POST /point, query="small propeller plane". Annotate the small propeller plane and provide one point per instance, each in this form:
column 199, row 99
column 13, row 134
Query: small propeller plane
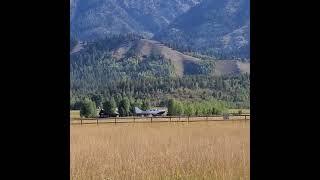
column 149, row 112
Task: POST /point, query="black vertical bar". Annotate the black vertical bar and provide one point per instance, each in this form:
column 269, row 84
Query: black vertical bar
column 97, row 120
column 170, row 118
column 134, row 119
column 81, row 121
column 151, row 119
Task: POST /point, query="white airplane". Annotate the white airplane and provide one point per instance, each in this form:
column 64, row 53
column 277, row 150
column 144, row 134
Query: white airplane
column 149, row 112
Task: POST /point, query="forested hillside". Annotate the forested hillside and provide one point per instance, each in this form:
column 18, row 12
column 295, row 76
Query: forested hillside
column 116, row 67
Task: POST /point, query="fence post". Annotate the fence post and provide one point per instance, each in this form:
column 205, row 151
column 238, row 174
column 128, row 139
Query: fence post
column 170, row 118
column 245, row 117
column 188, row 119
column 151, row 119
column 115, row 120
column 179, row 117
column 81, row 121
column 207, row 118
column 134, row 119
column 97, row 121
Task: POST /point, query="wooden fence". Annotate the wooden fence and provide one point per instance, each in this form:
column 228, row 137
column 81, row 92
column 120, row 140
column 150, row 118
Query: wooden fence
column 155, row 119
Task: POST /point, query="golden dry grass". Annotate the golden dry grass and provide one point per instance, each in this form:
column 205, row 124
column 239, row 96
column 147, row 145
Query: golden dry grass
column 198, row 150
column 74, row 114
column 245, row 111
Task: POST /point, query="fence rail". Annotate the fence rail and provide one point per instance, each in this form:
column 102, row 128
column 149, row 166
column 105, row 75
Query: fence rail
column 155, row 119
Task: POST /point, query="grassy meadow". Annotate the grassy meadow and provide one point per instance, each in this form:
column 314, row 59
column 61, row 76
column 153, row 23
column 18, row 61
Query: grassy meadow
column 74, row 114
column 244, row 111
column 198, row 150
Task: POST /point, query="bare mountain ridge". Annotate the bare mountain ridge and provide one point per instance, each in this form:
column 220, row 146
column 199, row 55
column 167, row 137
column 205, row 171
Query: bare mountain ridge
column 183, row 64
column 224, row 67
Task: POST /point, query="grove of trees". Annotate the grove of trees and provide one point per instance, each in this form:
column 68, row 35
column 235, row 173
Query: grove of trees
column 175, row 107
column 211, row 107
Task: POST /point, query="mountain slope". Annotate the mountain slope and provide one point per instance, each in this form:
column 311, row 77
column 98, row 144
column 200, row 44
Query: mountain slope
column 130, row 66
column 137, row 54
column 183, row 64
column 219, row 26
column 93, row 19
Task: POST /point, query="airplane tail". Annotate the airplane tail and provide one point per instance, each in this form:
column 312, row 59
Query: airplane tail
column 137, row 110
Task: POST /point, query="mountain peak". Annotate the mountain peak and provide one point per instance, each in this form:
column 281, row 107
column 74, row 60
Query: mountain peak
column 96, row 18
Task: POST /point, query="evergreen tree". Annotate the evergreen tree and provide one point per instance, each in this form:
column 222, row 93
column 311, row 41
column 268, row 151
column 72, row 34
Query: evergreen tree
column 145, row 105
column 171, row 107
column 188, row 110
column 178, row 108
column 124, row 107
column 97, row 98
column 88, row 109
column 110, row 106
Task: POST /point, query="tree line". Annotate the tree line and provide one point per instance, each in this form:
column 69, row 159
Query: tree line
column 232, row 89
column 125, row 107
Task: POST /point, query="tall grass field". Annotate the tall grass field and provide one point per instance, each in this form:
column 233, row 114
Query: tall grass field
column 74, row 114
column 195, row 150
column 244, row 111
